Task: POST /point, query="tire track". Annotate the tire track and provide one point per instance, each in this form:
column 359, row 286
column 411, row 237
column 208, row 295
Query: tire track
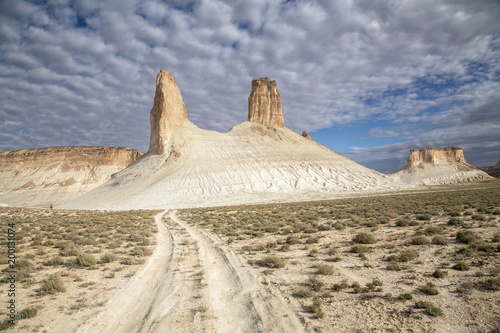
column 193, row 284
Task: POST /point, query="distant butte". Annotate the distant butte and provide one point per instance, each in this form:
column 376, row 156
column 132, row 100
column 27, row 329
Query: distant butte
column 264, row 104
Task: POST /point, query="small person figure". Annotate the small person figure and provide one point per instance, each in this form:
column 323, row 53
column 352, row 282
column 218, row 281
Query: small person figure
column 51, row 206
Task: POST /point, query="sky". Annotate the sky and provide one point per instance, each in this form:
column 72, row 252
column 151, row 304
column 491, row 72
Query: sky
column 369, row 79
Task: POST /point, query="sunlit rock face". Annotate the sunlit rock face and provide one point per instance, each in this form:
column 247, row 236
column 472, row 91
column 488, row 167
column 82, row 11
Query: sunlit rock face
column 168, row 111
column 433, row 155
column 264, row 104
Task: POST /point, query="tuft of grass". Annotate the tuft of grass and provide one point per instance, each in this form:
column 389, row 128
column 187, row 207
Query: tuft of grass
column 408, row 255
column 315, row 283
column 359, row 249
column 493, row 284
column 440, row 240
column 364, row 238
column 273, row 262
column 108, row 257
column 303, row 293
column 405, row 296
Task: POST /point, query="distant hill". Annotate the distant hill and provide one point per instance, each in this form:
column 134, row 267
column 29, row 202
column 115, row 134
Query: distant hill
column 493, row 171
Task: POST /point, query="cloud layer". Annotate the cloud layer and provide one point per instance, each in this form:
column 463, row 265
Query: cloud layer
column 419, row 73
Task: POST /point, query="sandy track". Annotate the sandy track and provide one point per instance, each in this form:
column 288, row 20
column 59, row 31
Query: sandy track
column 192, row 283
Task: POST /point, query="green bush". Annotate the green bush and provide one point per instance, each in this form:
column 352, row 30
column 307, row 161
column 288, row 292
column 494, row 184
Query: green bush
column 340, row 286
column 292, row 240
column 406, row 296
column 54, row 261
column 315, row 283
column 27, row 313
column 273, row 262
column 455, row 221
column 493, row 284
column 108, row 257
column 364, row 238
column 433, row 230
column 303, row 293
column 358, row 248
column 424, row 217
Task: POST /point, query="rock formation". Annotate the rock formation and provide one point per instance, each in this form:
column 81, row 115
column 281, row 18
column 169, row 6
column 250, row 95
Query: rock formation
column 264, row 104
column 437, row 166
column 306, row 135
column 39, row 177
column 431, row 155
column 168, row 111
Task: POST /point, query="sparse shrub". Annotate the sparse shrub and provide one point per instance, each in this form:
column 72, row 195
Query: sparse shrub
column 440, row 240
column 405, row 296
column 85, row 260
column 430, row 308
column 285, row 248
column 393, row 266
column 408, row 255
column 419, row 240
column 364, row 238
column 455, row 221
column 429, row 289
column 479, row 217
column 51, row 285
column 340, row 286
column 324, row 269
column 316, row 309
column 108, row 257
column 316, row 284
column 466, row 236
column 483, row 247
column 54, row 261
column 356, row 287
column 273, row 262
column 312, row 240
column 292, row 240
column 303, row 293
column 496, row 238
column 461, row 266
column 493, row 284
column 464, row 250
column 439, row 274
column 433, row 230
column 424, row 217
column 403, row 222
column 358, row 248
column 140, row 251
column 27, row 313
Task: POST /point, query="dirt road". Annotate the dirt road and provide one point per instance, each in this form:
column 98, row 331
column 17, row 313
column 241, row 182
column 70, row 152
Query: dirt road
column 192, row 283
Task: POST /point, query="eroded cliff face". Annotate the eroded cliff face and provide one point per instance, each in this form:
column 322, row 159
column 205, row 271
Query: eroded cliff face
column 264, row 104
column 38, row 177
column 168, row 111
column 433, row 155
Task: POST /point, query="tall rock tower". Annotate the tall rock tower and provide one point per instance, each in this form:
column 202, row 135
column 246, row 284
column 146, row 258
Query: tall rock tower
column 264, row 104
column 168, row 111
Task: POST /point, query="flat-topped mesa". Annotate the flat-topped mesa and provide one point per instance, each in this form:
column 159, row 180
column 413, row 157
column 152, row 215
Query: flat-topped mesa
column 432, row 155
column 168, row 111
column 264, row 104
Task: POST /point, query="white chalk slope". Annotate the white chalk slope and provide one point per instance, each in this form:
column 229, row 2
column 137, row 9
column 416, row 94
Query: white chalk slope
column 249, row 164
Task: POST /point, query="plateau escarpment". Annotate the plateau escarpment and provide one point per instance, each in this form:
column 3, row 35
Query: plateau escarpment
column 435, row 166
column 39, row 177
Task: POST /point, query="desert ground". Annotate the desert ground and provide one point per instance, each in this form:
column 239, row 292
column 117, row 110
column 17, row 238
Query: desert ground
column 420, row 261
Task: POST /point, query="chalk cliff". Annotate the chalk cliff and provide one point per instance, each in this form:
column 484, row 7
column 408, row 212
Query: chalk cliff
column 39, row 177
column 264, row 104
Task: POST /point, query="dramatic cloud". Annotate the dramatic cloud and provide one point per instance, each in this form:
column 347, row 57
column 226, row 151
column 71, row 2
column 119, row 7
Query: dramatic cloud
column 390, row 75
